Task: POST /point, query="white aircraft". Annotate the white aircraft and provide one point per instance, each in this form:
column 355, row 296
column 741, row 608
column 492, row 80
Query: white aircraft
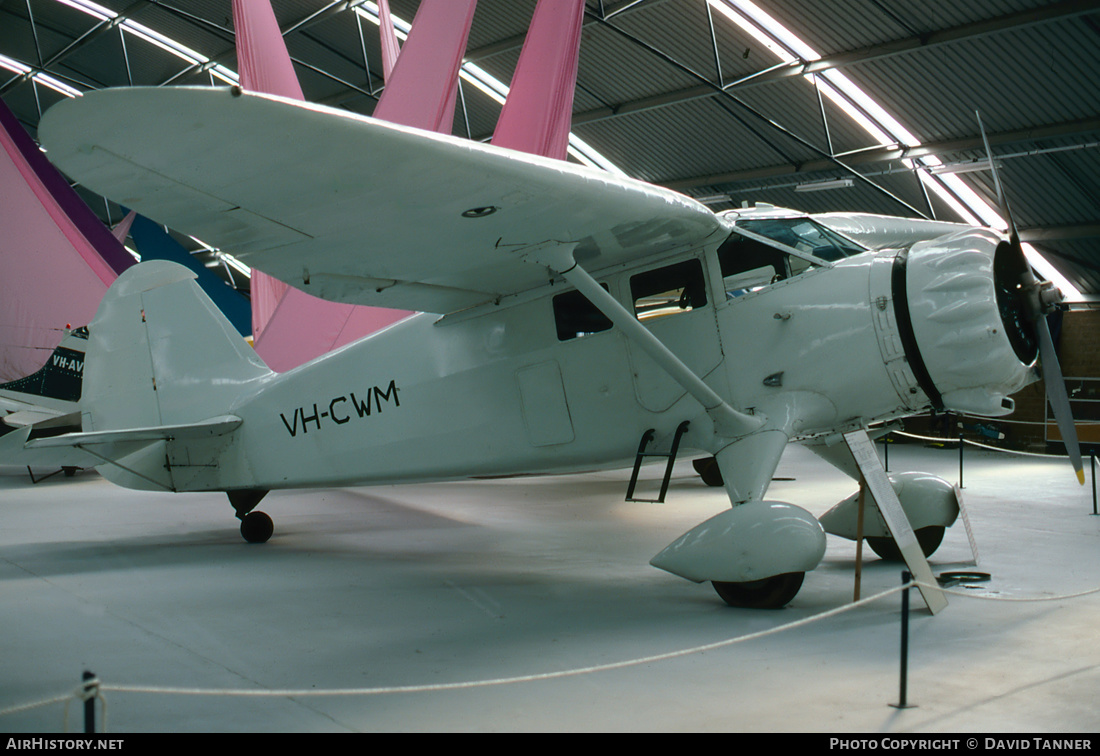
column 577, row 320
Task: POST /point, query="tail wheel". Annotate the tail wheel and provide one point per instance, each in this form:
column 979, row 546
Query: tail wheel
column 257, row 527
column 769, row 593
column 929, row 539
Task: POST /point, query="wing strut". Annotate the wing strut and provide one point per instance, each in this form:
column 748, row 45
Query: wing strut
column 728, row 422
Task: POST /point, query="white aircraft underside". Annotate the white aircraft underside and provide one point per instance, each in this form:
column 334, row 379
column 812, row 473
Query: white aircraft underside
column 544, row 274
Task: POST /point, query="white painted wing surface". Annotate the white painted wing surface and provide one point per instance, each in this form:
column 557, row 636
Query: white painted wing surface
column 354, row 209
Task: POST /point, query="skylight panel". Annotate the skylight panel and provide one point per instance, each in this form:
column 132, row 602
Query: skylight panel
column 146, row 34
column 877, row 122
column 44, row 79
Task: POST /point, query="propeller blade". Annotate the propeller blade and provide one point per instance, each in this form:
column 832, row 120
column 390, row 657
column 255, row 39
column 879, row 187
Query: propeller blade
column 1036, row 308
column 1002, row 200
column 1059, row 399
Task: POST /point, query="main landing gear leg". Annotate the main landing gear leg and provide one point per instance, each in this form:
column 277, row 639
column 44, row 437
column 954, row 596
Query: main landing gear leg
column 788, row 540
column 256, row 527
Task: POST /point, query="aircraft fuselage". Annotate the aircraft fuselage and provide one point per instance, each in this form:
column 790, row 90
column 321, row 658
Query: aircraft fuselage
column 504, row 393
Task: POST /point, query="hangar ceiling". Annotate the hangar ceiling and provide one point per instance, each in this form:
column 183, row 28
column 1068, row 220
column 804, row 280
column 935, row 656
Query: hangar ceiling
column 722, row 100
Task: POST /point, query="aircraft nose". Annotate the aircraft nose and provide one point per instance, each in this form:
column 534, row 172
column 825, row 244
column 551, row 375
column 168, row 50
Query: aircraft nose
column 970, row 321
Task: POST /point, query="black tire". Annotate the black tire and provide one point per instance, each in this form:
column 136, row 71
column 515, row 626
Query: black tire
column 770, row 593
column 257, row 527
column 708, row 471
column 929, row 539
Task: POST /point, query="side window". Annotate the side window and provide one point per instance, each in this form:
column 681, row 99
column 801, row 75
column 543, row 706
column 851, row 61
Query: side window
column 805, row 235
column 669, row 290
column 576, row 317
column 797, row 265
column 748, row 265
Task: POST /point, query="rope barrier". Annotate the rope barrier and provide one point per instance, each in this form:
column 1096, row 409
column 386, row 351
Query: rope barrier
column 1022, row 599
column 1005, row 421
column 36, row 704
column 511, row 680
column 944, row 440
column 87, row 690
column 94, row 688
column 1008, row 421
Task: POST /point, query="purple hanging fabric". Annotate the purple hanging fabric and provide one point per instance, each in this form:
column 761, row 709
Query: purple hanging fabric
column 57, row 258
column 538, row 112
column 421, row 90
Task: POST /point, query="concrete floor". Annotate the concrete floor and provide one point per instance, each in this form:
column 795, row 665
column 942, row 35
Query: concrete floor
column 439, row 584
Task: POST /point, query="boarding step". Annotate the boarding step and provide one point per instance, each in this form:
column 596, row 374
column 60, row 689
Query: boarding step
column 670, row 455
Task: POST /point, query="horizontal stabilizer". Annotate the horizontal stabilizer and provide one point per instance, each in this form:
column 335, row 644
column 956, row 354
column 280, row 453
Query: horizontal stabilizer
column 215, row 426
column 99, row 447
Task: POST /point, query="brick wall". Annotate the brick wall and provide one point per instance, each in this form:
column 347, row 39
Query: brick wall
column 1079, row 356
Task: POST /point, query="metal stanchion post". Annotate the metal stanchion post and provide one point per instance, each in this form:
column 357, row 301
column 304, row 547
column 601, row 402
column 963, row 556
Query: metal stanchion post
column 859, row 535
column 903, row 683
column 886, row 452
column 1092, row 469
column 960, row 460
column 89, row 702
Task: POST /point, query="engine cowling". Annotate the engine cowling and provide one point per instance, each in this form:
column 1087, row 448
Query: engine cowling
column 970, row 347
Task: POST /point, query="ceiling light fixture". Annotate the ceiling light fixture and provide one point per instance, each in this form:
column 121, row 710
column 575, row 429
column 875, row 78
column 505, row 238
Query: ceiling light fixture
column 969, row 166
column 872, row 117
column 41, row 78
column 816, row 186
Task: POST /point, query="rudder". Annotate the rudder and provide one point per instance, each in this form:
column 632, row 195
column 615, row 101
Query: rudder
column 161, row 353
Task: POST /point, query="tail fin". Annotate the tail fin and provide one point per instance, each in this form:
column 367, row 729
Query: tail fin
column 161, row 353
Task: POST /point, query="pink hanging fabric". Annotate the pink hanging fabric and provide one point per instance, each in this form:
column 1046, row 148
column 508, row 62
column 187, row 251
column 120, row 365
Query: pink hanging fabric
column 122, row 230
column 57, row 258
column 265, row 293
column 262, row 59
column 539, row 110
column 304, row 327
column 421, row 90
column 264, row 66
column 290, row 327
column 390, row 48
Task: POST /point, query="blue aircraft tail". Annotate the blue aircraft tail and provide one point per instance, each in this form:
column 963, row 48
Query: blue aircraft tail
column 63, row 374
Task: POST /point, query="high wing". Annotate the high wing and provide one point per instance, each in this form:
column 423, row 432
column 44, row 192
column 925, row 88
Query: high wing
column 353, row 209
